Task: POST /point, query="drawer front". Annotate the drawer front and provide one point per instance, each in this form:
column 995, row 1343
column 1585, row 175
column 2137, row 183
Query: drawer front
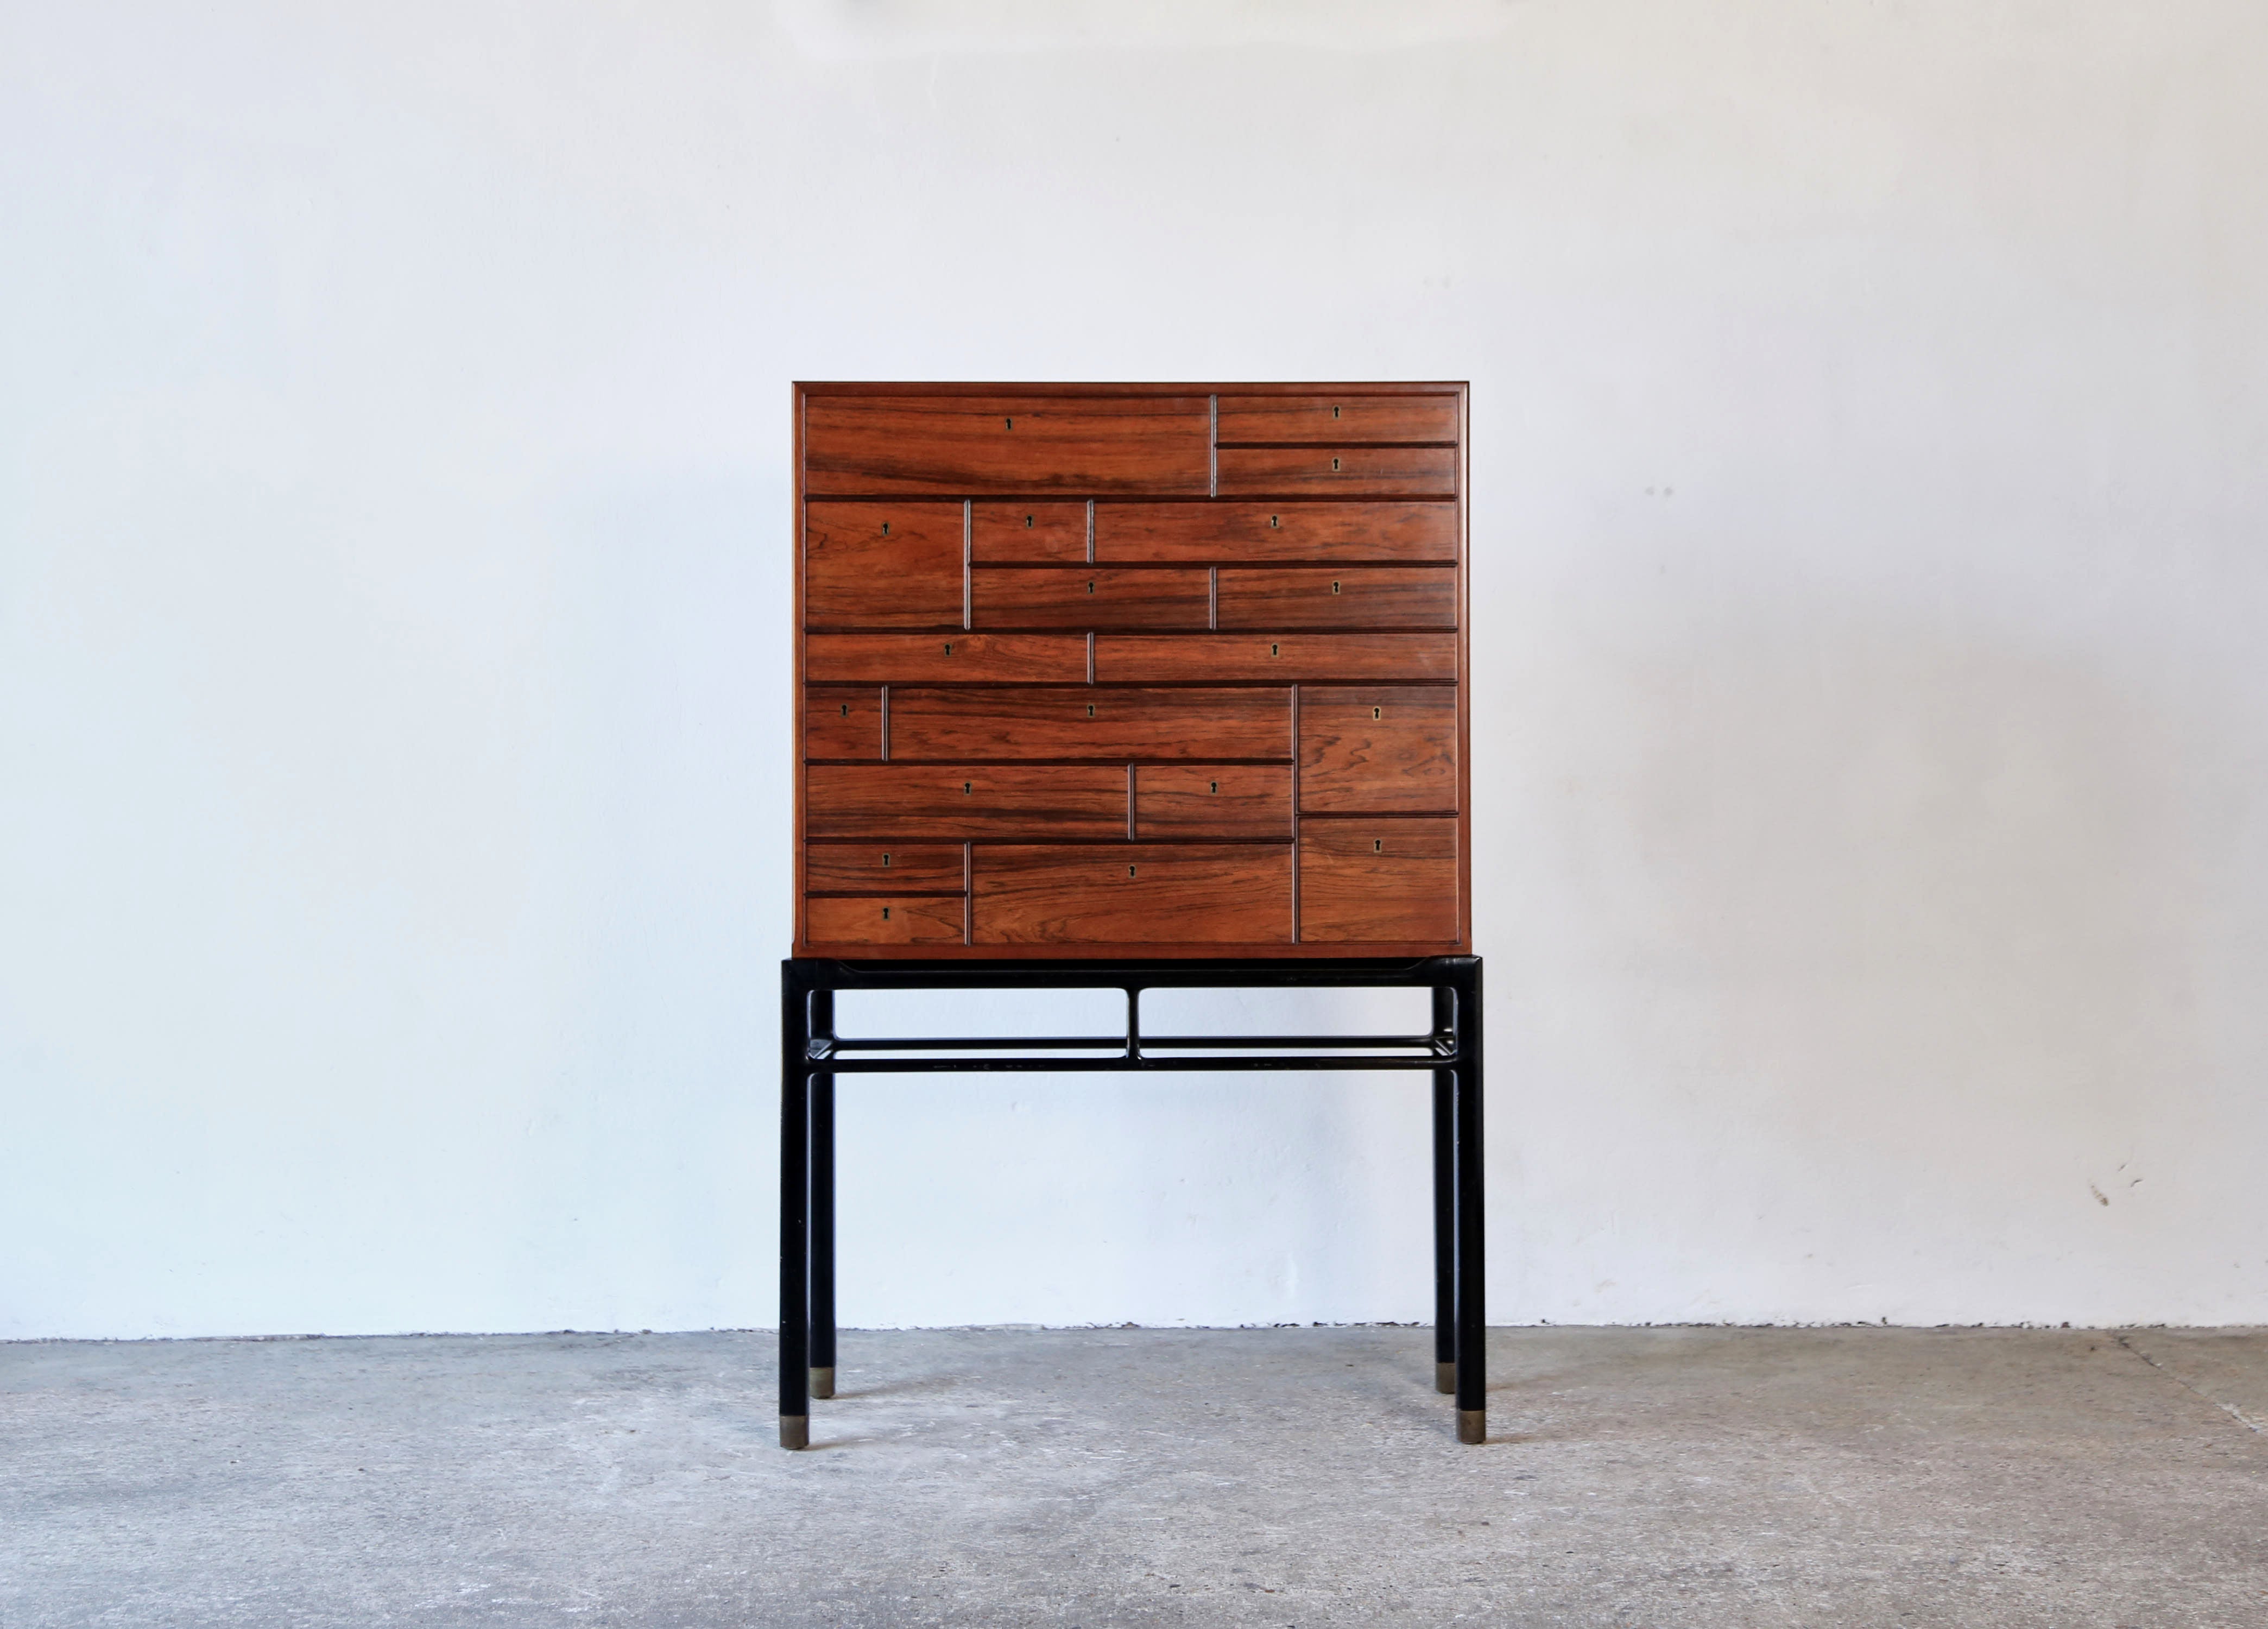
column 1270, row 533
column 1132, row 893
column 884, row 920
column 1378, row 751
column 945, row 658
column 882, row 565
column 970, row 800
column 1212, row 800
column 1374, row 597
column 1011, row 533
column 884, row 868
column 1378, row 881
column 1034, row 446
column 1338, row 419
column 1089, row 596
column 1091, row 722
column 1354, row 471
column 1321, row 657
column 842, row 721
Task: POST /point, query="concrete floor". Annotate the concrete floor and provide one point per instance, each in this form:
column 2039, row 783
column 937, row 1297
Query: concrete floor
column 1691, row 1477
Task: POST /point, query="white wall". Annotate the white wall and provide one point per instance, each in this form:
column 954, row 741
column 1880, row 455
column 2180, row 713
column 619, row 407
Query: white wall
column 1868, row 514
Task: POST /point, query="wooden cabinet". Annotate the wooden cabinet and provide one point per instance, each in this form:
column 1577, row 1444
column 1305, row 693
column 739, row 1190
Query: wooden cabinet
column 1095, row 670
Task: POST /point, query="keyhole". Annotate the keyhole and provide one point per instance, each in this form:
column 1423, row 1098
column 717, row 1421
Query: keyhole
column 1129, row 871
column 846, row 710
column 965, row 788
column 1027, row 523
column 1274, row 650
column 1090, row 710
column 886, row 529
column 1376, row 713
column 1010, row 423
column 1378, row 845
column 1335, row 463
column 886, row 862
column 949, row 647
column 1335, row 412
column 886, row 913
column 1216, row 788
column 1335, row 586
column 1090, row 587
column 1274, row 522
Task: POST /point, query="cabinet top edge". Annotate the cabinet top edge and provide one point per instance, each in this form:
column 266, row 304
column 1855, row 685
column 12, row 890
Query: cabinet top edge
column 1274, row 387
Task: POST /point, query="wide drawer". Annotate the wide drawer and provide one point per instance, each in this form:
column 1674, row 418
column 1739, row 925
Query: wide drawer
column 1378, row 751
column 883, row 921
column 969, row 801
column 1091, row 721
column 1371, row 597
column 1011, row 533
column 1134, row 658
column 882, row 565
column 1032, row 444
column 1272, row 534
column 1326, row 419
column 946, row 659
column 1212, row 800
column 1378, row 881
column 1091, row 596
column 884, row 867
column 1132, row 893
column 1351, row 471
column 842, row 721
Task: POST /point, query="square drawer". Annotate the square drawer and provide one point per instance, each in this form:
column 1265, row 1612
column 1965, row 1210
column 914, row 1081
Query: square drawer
column 1352, row 471
column 1091, row 596
column 1034, row 446
column 1017, row 533
column 882, row 565
column 1378, row 881
column 882, row 920
column 1212, row 800
column 1091, row 721
column 884, row 868
column 842, row 721
column 1364, row 597
column 1378, row 751
column 1131, row 894
column 1326, row 419
column 970, row 800
column 1290, row 534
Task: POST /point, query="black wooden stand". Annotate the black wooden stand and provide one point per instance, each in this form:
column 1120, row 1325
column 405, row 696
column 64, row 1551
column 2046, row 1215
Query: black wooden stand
column 812, row 1055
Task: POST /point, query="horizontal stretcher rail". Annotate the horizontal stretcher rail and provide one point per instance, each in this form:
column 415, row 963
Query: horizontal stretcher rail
column 1120, row 1063
column 1149, row 1043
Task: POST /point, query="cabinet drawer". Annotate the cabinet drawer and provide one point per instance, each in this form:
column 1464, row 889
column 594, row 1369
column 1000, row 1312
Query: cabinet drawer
column 1132, row 893
column 1374, row 597
column 1364, row 471
column 1212, row 800
column 1268, row 534
column 1378, row 750
column 1135, row 656
column 882, row 565
column 970, row 800
column 946, row 659
column 881, row 920
column 1091, row 722
column 883, row 868
column 1091, row 596
column 1010, row 533
column 1338, row 419
column 1378, row 880
column 1030, row 444
column 841, row 722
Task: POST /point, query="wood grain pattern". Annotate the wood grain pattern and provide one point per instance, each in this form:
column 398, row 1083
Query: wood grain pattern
column 1212, row 800
column 1350, row 471
column 945, row 657
column 883, row 868
column 1097, row 722
column 881, row 565
column 1344, row 417
column 1291, row 534
column 1009, row 533
column 1090, row 596
column 1138, row 658
column 1378, row 750
column 1367, row 880
column 969, row 446
column 967, row 800
column 842, row 721
column 932, row 919
column 1132, row 893
column 1376, row 597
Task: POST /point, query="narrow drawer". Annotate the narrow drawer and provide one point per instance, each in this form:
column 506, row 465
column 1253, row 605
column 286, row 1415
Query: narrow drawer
column 1031, row 446
column 1338, row 419
column 1378, row 881
column 1132, row 893
column 1091, row 596
column 884, row 920
column 1374, row 597
column 1136, row 657
column 1091, row 721
column 1353, row 471
column 1378, row 751
column 1212, row 800
column 1009, row 533
column 945, row 657
column 842, row 721
column 1272, row 534
column 884, row 868
column 970, row 800
column 881, row 565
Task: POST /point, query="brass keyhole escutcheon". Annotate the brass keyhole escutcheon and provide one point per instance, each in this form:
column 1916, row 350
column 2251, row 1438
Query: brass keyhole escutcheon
column 1335, row 412
column 1378, row 845
column 1275, row 521
column 1090, row 587
column 1274, row 650
column 1216, row 787
column 1129, row 871
column 1335, row 463
column 886, row 913
column 1027, row 523
column 1335, row 584
column 1090, row 710
column 949, row 647
column 967, row 788
column 886, row 862
column 1376, row 713
column 846, row 710
column 1010, row 423
column 886, row 529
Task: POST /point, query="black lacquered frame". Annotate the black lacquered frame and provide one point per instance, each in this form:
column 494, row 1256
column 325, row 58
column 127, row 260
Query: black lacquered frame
column 812, row 1055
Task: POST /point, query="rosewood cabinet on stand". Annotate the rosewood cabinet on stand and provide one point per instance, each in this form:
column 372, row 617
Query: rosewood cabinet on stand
column 1129, row 687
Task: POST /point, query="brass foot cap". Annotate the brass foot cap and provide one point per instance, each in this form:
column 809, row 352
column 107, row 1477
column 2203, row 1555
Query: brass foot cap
column 795, row 1430
column 822, row 1381
column 1472, row 1425
column 1445, row 1379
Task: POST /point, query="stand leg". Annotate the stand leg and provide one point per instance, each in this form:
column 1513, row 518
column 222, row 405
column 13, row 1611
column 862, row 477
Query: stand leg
column 795, row 1211
column 1472, row 1315
column 1444, row 1210
column 822, row 1208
